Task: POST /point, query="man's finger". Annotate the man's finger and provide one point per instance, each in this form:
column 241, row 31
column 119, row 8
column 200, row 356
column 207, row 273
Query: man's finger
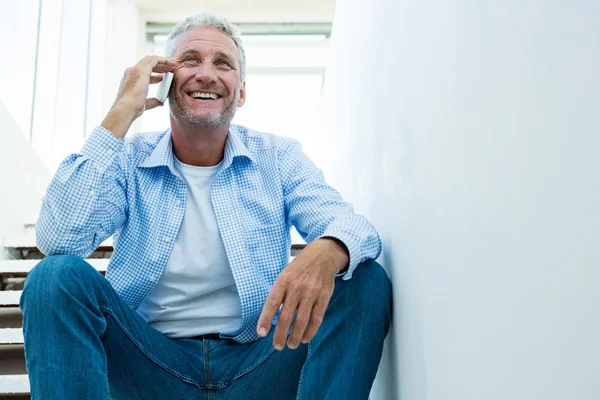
column 284, row 320
column 155, row 64
column 316, row 318
column 152, row 102
column 164, row 65
column 156, row 78
column 269, row 309
column 158, row 63
column 300, row 323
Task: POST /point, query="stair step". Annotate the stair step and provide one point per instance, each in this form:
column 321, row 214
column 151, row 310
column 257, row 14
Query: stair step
column 11, row 336
column 20, row 268
column 10, row 298
column 14, row 384
column 28, row 241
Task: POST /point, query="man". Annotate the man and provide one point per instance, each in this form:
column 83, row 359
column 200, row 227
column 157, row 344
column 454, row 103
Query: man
column 201, row 219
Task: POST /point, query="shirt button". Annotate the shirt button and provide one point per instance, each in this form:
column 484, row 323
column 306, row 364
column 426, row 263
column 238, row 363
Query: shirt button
column 167, row 239
column 92, row 193
column 110, row 152
column 152, row 278
column 177, row 203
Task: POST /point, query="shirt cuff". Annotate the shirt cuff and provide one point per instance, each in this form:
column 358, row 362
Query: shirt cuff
column 353, row 247
column 102, row 147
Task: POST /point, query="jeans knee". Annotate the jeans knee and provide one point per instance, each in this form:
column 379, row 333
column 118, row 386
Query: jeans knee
column 374, row 280
column 375, row 288
column 54, row 268
column 45, row 281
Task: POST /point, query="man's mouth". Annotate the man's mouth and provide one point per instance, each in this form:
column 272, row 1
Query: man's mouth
column 204, row 95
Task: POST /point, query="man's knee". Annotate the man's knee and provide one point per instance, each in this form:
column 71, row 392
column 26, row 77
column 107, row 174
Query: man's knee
column 374, row 282
column 57, row 268
column 54, row 276
column 369, row 289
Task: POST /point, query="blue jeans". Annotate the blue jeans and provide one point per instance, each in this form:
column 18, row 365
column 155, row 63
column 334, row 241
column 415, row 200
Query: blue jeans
column 83, row 342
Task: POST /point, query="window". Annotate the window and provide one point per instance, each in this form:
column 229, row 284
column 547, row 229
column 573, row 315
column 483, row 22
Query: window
column 56, row 45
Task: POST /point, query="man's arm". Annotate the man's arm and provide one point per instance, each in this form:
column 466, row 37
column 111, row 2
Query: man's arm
column 339, row 240
column 86, row 201
column 132, row 101
column 317, row 210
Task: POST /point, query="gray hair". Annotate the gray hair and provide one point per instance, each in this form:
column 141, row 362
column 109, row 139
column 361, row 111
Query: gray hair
column 208, row 20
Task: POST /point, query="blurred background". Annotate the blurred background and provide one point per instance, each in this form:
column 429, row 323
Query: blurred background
column 467, row 131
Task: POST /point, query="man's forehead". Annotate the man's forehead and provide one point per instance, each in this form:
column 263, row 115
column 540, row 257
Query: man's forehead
column 205, row 36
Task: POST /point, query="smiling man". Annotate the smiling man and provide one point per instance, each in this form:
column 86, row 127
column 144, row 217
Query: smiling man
column 200, row 299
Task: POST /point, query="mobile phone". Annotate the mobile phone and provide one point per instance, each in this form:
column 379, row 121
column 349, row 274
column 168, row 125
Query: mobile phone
column 163, row 89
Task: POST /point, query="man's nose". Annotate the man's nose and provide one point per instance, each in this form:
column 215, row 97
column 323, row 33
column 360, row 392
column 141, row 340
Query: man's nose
column 206, row 73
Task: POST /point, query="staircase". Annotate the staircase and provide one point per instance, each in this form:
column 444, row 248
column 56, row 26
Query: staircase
column 24, row 254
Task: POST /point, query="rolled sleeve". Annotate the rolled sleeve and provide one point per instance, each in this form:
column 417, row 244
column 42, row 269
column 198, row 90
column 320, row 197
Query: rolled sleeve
column 362, row 244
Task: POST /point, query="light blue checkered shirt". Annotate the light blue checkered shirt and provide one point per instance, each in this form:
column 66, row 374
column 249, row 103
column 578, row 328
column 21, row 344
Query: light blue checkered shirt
column 130, row 188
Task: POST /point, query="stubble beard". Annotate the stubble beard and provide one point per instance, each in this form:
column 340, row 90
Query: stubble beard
column 217, row 119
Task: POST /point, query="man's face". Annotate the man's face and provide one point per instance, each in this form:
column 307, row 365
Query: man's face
column 206, row 88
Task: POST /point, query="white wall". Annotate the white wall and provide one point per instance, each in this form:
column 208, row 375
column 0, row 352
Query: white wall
column 23, row 175
column 468, row 132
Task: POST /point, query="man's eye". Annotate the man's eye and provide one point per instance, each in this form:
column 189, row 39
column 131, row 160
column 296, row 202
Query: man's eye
column 223, row 63
column 191, row 60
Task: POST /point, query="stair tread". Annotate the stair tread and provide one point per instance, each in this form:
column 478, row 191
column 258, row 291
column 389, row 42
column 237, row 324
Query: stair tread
column 28, row 241
column 14, row 384
column 10, row 298
column 11, row 336
column 20, row 268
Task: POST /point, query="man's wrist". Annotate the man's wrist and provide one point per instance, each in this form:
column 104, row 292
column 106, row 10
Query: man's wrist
column 119, row 120
column 340, row 253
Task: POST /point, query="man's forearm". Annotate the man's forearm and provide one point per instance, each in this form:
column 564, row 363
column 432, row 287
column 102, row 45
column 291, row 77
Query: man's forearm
column 131, row 101
column 118, row 121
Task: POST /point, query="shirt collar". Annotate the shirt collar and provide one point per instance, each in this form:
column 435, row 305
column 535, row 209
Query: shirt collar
column 235, row 147
column 162, row 155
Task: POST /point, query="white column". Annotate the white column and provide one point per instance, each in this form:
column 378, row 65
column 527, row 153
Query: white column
column 71, row 95
column 60, row 102
column 48, row 62
column 468, row 132
column 97, row 66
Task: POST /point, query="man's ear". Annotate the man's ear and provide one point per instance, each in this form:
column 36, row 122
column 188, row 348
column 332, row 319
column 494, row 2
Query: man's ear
column 242, row 98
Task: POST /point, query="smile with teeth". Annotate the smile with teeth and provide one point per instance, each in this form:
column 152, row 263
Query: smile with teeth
column 202, row 95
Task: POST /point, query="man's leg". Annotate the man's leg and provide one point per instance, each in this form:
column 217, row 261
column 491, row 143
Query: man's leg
column 83, row 342
column 344, row 355
column 340, row 362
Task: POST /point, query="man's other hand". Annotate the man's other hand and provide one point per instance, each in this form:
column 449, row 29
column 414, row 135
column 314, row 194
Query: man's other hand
column 304, row 287
column 132, row 99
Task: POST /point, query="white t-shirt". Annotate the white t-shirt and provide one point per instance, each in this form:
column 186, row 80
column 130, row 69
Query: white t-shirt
column 196, row 293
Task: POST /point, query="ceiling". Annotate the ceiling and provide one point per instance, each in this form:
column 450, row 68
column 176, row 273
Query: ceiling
column 240, row 10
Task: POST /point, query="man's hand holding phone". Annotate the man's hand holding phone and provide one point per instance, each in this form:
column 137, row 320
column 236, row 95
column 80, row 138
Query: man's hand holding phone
column 132, row 101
